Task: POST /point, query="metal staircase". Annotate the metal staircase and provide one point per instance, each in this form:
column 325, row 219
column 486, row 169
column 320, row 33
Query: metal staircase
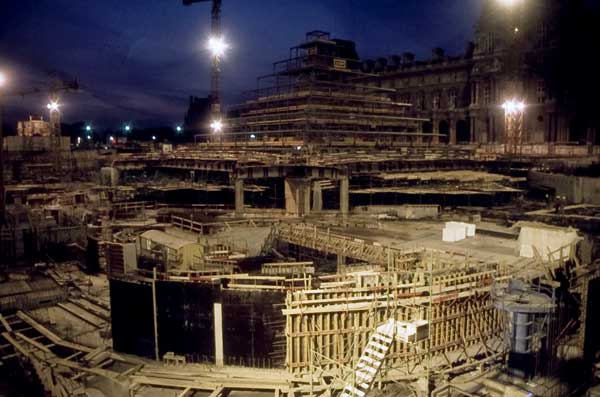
column 269, row 243
column 371, row 360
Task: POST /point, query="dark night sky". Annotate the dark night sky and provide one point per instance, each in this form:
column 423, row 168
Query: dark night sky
column 139, row 60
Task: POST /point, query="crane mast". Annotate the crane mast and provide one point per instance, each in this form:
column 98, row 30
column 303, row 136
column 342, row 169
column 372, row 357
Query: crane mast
column 215, row 80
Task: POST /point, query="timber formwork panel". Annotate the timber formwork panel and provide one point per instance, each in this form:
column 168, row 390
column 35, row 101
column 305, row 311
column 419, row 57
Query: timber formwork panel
column 328, row 330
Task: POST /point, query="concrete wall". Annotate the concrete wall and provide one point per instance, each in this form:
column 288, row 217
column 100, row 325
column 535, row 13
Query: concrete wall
column 36, row 143
column 401, row 211
column 540, row 149
column 545, row 240
column 577, row 189
column 251, row 239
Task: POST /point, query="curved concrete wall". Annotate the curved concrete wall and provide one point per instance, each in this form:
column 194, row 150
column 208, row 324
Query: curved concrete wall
column 577, row 189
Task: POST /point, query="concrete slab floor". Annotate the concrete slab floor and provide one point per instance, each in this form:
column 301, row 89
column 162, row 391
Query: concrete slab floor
column 428, row 234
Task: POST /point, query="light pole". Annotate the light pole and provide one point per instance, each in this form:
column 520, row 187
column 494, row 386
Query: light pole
column 88, row 132
column 514, row 112
column 217, row 128
column 514, row 108
column 2, row 202
column 53, row 107
column 217, row 46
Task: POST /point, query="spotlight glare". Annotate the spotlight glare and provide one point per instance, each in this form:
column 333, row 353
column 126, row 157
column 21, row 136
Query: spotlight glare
column 217, row 46
column 509, row 3
column 216, row 126
column 53, row 106
column 513, row 106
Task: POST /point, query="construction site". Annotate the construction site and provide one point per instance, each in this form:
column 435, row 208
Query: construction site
column 325, row 237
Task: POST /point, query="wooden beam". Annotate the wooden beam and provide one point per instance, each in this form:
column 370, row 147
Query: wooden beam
column 16, row 344
column 33, row 342
column 5, row 323
column 51, row 335
column 217, row 392
column 185, row 391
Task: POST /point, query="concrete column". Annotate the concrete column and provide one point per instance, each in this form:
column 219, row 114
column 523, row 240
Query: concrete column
column 297, row 196
column 109, row 176
column 473, row 128
column 239, row 197
column 452, row 137
column 305, row 191
column 436, row 130
column 345, row 196
column 341, row 264
column 218, row 317
column 115, row 176
column 317, row 194
column 154, row 316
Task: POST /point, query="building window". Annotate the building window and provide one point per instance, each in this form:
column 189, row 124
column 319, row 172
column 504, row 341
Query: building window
column 436, row 101
column 452, row 99
column 420, row 101
column 474, row 93
column 544, row 35
column 487, row 94
column 540, row 91
column 488, row 43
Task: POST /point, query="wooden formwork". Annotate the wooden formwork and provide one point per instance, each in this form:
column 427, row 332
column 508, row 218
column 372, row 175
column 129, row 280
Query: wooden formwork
column 327, row 329
column 310, row 236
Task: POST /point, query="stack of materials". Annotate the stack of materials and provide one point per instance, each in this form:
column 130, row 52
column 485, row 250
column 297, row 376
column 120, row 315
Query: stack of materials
column 457, row 231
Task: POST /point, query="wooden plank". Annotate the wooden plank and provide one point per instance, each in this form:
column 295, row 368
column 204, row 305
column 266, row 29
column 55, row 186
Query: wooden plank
column 95, row 371
column 33, row 342
column 217, row 392
column 83, row 317
column 5, row 323
column 51, row 335
column 184, row 392
column 16, row 344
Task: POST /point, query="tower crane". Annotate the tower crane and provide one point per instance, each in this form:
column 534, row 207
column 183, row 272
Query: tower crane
column 217, row 47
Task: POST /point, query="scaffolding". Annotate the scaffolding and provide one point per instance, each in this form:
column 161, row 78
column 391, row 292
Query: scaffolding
column 310, row 98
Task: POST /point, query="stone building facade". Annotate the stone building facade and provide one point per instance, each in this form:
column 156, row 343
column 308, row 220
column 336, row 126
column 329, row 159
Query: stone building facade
column 35, row 126
column 515, row 45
